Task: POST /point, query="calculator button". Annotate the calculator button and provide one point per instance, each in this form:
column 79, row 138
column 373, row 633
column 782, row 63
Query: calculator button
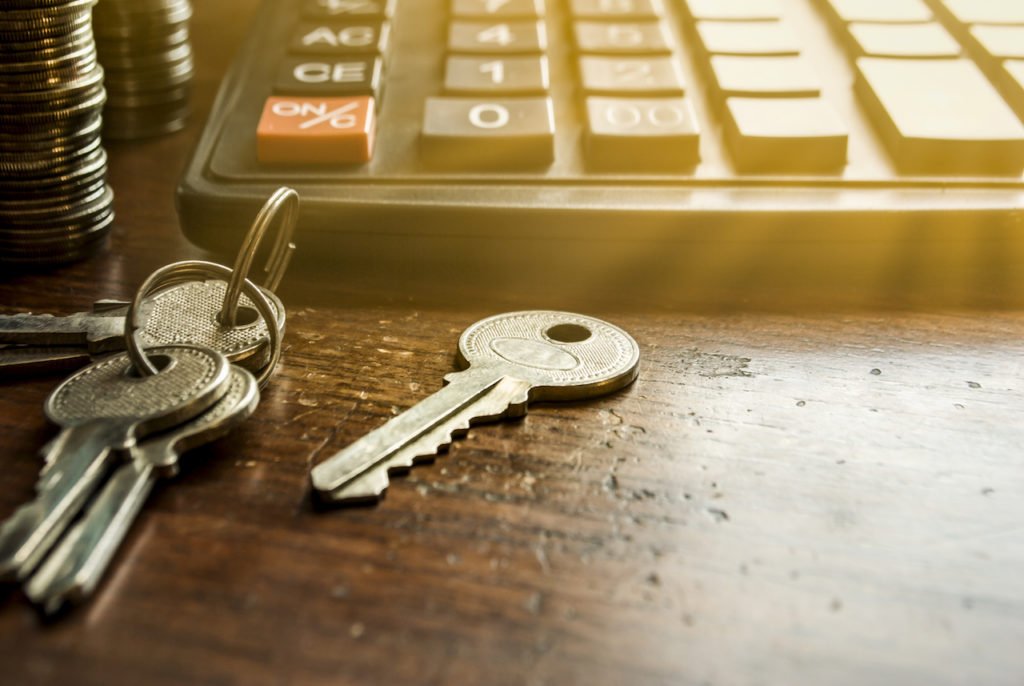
column 471, row 133
column 642, row 134
column 341, row 39
column 733, row 10
column 941, row 116
column 747, row 38
column 329, row 77
column 319, row 9
column 508, row 37
column 904, row 40
column 502, row 75
column 617, row 9
column 764, row 76
column 639, row 38
column 631, row 75
column 504, row 9
column 1000, row 41
column 986, row 11
column 316, row 130
column 887, row 11
column 785, row 135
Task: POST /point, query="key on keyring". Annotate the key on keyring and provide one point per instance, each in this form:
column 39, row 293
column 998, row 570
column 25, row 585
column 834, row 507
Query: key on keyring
column 98, row 331
column 507, row 360
column 185, row 313
column 20, row 360
column 74, row 569
column 101, row 409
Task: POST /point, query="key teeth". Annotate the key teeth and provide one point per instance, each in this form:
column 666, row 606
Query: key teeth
column 402, row 464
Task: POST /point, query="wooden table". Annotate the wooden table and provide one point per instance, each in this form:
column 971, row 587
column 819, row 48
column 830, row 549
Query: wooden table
column 826, row 495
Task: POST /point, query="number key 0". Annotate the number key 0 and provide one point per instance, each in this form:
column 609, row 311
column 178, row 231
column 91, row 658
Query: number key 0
column 468, row 133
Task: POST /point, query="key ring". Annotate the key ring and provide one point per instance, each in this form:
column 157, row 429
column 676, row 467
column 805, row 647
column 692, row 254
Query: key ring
column 195, row 270
column 284, row 200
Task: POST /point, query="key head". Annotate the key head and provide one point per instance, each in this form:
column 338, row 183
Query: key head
column 109, row 391
column 188, row 313
column 564, row 356
column 237, row 405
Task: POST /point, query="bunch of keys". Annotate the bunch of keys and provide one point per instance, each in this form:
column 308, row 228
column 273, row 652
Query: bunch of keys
column 147, row 405
column 182, row 309
column 507, row 361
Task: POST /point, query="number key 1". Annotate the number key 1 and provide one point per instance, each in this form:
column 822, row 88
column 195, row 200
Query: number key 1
column 505, row 75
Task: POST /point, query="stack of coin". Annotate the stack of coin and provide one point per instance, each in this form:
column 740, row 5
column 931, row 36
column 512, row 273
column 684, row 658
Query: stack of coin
column 55, row 205
column 144, row 48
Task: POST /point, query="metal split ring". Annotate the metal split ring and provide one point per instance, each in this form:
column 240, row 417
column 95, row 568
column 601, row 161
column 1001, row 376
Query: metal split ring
column 284, row 200
column 197, row 270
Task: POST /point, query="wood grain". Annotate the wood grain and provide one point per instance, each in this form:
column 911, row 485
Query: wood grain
column 812, row 497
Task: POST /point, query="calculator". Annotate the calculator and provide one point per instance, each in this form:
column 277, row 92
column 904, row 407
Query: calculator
column 590, row 126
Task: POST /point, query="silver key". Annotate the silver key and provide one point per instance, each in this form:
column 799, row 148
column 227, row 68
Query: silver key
column 507, row 360
column 72, row 572
column 33, row 360
column 105, row 408
column 189, row 313
column 98, row 331
column 186, row 313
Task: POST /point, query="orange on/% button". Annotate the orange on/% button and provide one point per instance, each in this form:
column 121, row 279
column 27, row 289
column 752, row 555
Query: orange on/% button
column 301, row 130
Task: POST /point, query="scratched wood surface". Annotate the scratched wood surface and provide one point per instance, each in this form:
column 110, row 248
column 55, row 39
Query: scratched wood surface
column 814, row 497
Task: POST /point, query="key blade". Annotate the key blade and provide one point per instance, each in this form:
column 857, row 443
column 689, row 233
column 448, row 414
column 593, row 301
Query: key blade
column 19, row 361
column 507, row 398
column 162, row 451
column 81, row 460
column 99, row 332
column 110, row 308
column 72, row 572
column 383, row 442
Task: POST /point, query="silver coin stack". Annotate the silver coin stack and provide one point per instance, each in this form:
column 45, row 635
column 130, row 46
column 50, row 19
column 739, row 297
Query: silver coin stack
column 144, row 48
column 55, row 204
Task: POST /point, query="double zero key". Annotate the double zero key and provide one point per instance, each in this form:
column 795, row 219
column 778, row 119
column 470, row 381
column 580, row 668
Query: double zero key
column 508, row 360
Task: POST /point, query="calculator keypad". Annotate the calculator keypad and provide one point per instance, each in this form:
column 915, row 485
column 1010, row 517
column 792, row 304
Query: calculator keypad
column 571, row 87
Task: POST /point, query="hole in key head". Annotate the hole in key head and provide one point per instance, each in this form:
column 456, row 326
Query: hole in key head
column 244, row 316
column 568, row 333
column 161, row 362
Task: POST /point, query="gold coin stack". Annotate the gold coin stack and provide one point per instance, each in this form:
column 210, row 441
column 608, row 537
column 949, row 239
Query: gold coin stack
column 145, row 49
column 55, row 204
